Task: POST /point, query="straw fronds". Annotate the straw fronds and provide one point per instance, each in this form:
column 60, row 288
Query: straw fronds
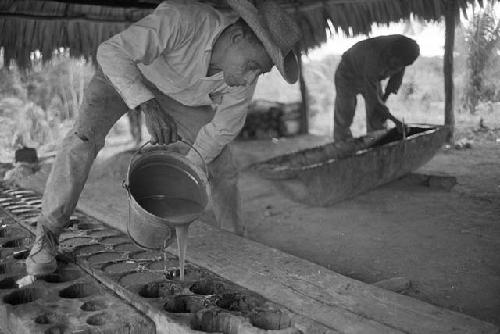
column 81, row 25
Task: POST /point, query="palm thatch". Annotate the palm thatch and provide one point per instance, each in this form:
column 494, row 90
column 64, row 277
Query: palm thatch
column 81, row 25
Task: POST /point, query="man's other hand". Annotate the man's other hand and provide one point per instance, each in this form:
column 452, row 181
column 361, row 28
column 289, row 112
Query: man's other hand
column 401, row 127
column 161, row 126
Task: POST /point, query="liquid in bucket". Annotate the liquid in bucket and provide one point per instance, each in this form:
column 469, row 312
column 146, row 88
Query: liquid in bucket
column 168, row 207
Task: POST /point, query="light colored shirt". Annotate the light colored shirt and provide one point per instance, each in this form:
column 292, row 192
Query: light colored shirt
column 171, row 48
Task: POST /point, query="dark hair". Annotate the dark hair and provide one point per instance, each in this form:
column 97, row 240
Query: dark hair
column 247, row 31
column 405, row 49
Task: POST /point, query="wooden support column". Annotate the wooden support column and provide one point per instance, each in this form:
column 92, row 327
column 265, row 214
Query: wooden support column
column 449, row 113
column 304, row 109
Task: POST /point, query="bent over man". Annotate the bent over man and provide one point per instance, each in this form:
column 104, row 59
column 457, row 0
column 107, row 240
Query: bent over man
column 192, row 70
column 360, row 71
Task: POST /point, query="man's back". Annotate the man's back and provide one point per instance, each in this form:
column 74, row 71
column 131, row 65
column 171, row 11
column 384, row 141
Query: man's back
column 366, row 60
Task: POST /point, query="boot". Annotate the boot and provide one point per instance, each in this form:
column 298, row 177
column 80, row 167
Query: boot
column 42, row 258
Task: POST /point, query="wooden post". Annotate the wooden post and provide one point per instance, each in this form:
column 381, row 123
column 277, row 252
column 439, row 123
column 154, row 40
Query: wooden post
column 449, row 116
column 304, row 110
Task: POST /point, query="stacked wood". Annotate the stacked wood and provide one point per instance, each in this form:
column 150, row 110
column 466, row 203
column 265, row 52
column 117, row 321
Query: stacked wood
column 267, row 120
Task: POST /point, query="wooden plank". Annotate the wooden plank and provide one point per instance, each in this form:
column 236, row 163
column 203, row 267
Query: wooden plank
column 319, row 295
column 335, row 301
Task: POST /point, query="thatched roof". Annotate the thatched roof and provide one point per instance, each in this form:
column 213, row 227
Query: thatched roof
column 27, row 25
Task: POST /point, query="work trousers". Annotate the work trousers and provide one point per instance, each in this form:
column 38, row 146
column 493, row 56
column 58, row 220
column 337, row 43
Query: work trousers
column 101, row 108
column 345, row 107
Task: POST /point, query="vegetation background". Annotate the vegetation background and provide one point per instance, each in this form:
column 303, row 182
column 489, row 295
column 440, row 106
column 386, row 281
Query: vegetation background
column 37, row 107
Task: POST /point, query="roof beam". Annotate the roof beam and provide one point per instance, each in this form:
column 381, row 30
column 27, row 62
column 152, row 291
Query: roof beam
column 137, row 4
column 140, row 4
column 60, row 18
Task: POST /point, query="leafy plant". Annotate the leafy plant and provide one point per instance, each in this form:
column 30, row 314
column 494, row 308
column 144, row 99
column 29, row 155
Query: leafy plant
column 482, row 36
column 38, row 105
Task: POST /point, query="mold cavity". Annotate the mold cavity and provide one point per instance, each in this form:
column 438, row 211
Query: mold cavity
column 23, row 296
column 207, row 287
column 61, row 277
column 120, row 267
column 126, row 247
column 213, row 321
column 7, row 232
column 80, row 290
column 93, row 305
column 32, row 200
column 47, row 318
column 29, row 215
column 55, row 330
column 24, row 210
column 184, row 304
column 11, row 268
column 84, row 226
column 16, row 243
column 97, row 319
column 271, row 320
column 143, row 277
column 77, row 241
column 5, row 252
column 159, row 289
column 89, row 249
column 160, row 265
column 114, row 240
column 236, row 302
column 103, row 233
column 189, row 274
column 19, row 233
column 9, row 282
column 147, row 256
column 21, row 255
column 105, row 257
column 42, row 319
column 22, row 193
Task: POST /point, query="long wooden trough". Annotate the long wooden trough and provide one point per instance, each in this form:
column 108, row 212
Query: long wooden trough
column 324, row 175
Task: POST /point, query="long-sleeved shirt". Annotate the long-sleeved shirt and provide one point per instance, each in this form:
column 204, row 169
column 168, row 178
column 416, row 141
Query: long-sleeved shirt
column 171, row 48
column 364, row 65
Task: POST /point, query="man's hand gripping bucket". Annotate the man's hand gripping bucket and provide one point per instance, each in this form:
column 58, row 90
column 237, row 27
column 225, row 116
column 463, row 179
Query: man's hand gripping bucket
column 165, row 190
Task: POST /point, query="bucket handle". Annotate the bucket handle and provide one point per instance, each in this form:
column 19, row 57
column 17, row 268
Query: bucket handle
column 205, row 167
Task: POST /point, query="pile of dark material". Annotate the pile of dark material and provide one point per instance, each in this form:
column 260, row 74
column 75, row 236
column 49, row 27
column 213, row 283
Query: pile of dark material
column 267, row 119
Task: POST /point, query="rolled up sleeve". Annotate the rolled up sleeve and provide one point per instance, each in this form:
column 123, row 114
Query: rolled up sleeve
column 228, row 120
column 142, row 42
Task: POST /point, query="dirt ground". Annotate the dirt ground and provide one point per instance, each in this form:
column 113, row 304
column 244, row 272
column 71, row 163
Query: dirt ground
column 446, row 242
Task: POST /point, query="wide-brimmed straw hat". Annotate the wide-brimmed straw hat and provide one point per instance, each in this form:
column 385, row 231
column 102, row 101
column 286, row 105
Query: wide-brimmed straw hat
column 277, row 31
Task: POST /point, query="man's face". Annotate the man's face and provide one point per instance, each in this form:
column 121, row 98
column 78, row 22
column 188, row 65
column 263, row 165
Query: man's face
column 244, row 61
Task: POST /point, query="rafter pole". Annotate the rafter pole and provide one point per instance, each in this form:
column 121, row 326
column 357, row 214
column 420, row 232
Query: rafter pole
column 304, row 110
column 82, row 18
column 449, row 113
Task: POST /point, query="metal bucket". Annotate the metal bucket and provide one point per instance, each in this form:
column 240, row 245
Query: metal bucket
column 165, row 190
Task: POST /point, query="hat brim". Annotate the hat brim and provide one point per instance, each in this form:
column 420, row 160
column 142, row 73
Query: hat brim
column 287, row 64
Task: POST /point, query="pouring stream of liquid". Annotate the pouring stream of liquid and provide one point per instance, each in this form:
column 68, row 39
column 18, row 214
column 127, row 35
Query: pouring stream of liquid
column 182, row 238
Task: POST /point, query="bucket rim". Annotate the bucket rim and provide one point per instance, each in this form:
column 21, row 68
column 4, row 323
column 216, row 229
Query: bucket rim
column 186, row 166
column 177, row 220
